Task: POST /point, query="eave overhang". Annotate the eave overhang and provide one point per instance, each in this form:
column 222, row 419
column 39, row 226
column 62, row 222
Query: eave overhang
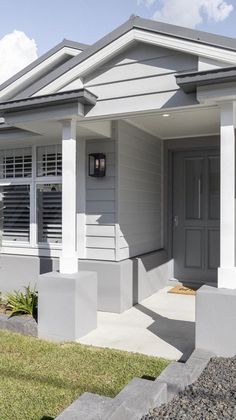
column 80, row 96
column 189, row 82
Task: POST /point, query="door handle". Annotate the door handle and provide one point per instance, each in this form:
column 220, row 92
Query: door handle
column 199, row 197
column 176, row 221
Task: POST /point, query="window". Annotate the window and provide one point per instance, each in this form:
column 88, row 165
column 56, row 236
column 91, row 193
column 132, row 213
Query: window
column 16, row 163
column 49, row 213
column 30, row 203
column 49, row 161
column 15, row 218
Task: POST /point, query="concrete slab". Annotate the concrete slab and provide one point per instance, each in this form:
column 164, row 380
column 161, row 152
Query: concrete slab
column 162, row 325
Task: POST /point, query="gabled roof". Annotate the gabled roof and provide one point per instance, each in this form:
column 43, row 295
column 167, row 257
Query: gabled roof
column 49, row 53
column 153, row 26
column 190, row 81
column 134, row 22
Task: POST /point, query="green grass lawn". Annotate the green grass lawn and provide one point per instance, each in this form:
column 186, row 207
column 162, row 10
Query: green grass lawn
column 39, row 379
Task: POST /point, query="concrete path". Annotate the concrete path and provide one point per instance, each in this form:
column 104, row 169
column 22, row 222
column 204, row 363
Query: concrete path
column 161, row 325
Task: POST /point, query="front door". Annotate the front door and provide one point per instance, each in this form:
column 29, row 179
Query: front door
column 196, row 216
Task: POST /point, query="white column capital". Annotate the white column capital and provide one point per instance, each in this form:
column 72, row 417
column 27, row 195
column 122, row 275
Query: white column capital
column 228, row 114
column 68, row 128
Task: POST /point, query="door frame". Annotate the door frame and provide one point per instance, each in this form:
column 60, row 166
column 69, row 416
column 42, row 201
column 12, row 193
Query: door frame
column 170, row 147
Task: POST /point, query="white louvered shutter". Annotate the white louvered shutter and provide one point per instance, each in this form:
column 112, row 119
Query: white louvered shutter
column 49, row 160
column 16, row 213
column 16, row 163
column 49, row 199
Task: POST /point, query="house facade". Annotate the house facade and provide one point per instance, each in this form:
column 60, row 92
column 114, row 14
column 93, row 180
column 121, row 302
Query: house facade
column 157, row 102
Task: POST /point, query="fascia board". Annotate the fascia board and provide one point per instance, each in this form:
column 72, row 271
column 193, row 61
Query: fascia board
column 186, row 46
column 46, row 113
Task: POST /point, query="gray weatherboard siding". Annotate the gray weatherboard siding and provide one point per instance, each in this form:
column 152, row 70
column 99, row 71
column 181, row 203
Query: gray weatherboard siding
column 101, row 205
column 139, row 191
column 124, row 209
column 140, row 69
column 139, row 77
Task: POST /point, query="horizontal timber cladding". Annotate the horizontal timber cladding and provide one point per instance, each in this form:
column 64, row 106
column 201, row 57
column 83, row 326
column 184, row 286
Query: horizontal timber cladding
column 142, row 76
column 100, row 205
column 139, row 191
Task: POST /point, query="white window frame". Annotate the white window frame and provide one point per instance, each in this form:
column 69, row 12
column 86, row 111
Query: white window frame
column 32, row 181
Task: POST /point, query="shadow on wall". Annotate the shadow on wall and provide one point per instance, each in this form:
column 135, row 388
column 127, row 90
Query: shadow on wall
column 135, row 281
column 177, row 333
column 48, row 264
column 19, row 271
column 150, row 273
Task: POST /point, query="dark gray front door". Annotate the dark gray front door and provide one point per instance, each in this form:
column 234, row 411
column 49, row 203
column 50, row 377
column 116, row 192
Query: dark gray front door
column 196, row 216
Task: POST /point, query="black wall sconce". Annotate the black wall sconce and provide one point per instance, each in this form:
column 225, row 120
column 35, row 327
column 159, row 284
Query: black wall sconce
column 97, row 164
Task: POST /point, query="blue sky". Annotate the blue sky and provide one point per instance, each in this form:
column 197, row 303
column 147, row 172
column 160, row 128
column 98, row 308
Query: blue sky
column 49, row 21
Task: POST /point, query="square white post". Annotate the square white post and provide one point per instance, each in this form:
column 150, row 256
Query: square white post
column 69, row 258
column 227, row 269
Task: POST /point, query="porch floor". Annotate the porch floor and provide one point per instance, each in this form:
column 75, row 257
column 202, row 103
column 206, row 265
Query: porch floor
column 161, row 325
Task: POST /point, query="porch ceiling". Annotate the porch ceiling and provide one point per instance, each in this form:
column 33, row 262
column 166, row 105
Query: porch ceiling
column 53, row 128
column 182, row 123
column 36, row 132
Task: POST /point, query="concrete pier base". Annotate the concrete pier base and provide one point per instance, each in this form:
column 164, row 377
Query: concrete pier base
column 216, row 320
column 67, row 308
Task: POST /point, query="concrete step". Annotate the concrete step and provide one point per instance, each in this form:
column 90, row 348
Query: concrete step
column 89, row 406
column 176, row 376
column 139, row 396
column 197, row 362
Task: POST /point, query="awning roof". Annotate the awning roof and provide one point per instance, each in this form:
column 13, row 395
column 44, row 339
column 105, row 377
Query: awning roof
column 83, row 96
column 190, row 81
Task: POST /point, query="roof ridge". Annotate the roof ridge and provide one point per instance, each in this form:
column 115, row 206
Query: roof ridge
column 69, row 42
column 170, row 28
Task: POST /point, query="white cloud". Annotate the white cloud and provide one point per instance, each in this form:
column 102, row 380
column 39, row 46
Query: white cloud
column 190, row 12
column 217, row 10
column 16, row 52
column 147, row 3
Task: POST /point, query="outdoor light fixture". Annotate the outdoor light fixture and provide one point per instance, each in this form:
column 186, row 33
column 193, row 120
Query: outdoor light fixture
column 165, row 115
column 97, row 164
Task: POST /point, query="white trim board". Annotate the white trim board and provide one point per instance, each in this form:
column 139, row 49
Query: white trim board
column 30, row 251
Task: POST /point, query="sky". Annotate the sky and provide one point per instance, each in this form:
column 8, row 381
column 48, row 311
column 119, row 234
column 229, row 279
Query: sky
column 28, row 28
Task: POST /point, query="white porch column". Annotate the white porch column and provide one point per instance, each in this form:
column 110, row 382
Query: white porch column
column 69, row 258
column 227, row 269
